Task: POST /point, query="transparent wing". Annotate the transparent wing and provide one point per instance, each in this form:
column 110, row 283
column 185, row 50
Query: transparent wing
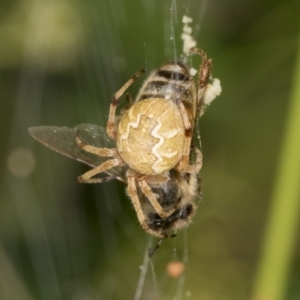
column 62, row 140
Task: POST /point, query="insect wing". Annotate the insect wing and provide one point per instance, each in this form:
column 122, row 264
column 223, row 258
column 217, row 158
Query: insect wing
column 62, row 140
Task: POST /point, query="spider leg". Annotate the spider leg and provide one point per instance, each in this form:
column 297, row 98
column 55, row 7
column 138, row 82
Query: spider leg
column 151, row 197
column 103, row 152
column 132, row 192
column 111, row 124
column 183, row 165
column 204, row 69
column 203, row 77
column 195, row 168
column 87, row 177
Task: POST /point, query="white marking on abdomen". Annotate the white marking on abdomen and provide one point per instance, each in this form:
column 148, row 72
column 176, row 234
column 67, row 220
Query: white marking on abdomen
column 155, row 166
column 135, row 125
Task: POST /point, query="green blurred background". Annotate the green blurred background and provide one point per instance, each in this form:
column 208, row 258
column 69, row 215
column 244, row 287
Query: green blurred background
column 60, row 63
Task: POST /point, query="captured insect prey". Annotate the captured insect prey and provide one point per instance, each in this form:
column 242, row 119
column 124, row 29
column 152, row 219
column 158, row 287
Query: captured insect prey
column 148, row 146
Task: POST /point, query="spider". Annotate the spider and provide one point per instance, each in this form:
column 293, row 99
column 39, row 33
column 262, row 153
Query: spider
column 154, row 135
column 149, row 145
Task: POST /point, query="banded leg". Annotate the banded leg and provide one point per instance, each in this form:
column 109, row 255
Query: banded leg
column 183, row 165
column 87, row 177
column 111, row 126
column 132, row 192
column 196, row 167
column 204, row 69
column 203, row 77
column 103, row 152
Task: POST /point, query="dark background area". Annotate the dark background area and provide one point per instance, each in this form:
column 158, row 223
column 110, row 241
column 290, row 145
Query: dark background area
column 60, row 63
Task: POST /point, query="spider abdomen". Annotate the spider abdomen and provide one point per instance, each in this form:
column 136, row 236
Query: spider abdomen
column 151, row 136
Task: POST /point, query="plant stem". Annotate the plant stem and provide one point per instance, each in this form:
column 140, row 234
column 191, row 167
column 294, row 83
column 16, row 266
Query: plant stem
column 282, row 224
